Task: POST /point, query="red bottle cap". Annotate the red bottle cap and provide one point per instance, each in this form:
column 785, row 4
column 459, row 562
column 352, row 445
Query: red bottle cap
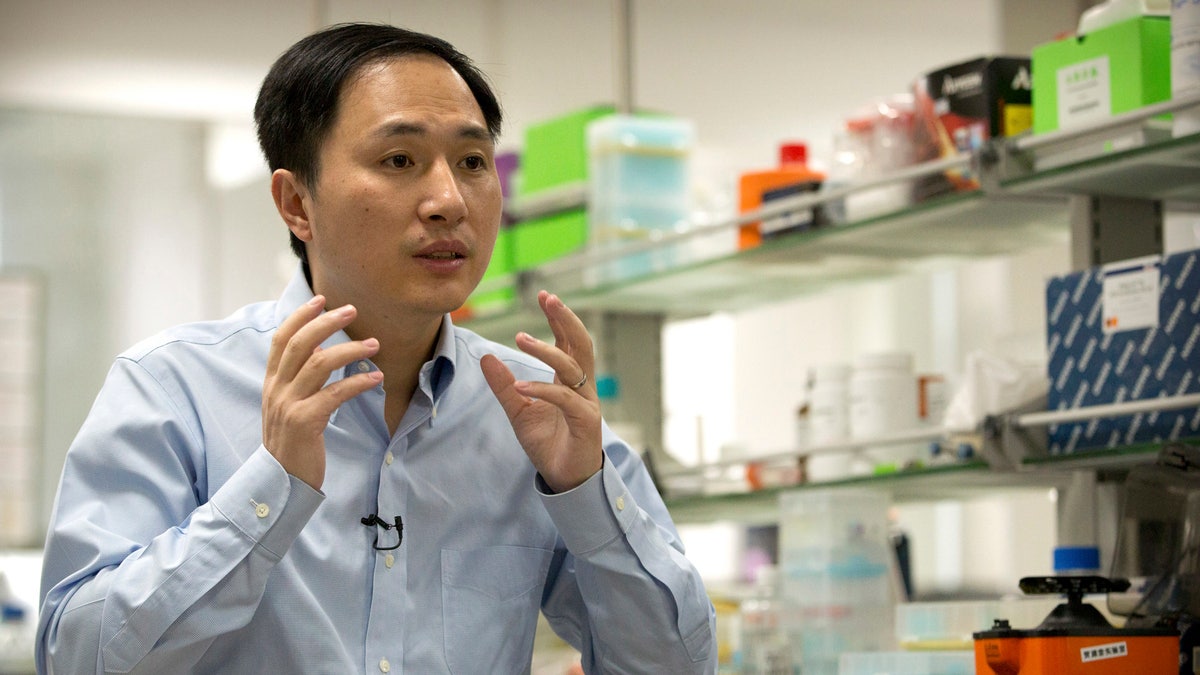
column 793, row 153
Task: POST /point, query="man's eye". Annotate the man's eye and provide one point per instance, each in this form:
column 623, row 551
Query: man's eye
column 400, row 161
column 474, row 163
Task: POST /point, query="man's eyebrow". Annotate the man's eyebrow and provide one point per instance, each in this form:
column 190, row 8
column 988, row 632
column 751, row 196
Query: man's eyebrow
column 401, row 128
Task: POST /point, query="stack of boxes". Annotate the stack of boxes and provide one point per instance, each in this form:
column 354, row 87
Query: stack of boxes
column 1125, row 331
column 633, row 171
column 555, row 155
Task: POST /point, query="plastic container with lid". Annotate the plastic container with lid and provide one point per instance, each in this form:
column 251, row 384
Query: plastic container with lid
column 792, row 176
column 875, row 141
column 883, row 401
column 638, row 187
column 837, row 567
column 1115, row 11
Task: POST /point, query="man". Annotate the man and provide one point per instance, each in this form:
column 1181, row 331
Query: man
column 343, row 481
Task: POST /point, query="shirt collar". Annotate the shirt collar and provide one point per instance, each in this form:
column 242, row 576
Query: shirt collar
column 443, row 365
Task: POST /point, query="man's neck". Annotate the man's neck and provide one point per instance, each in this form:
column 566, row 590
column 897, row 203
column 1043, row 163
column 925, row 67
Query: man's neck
column 403, row 350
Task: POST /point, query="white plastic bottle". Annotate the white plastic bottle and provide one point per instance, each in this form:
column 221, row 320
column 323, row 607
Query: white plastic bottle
column 828, row 419
column 883, row 401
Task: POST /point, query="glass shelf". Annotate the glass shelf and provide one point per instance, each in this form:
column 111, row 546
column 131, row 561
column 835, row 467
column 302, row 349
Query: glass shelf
column 1022, row 207
column 1158, row 167
column 931, row 235
column 959, row 481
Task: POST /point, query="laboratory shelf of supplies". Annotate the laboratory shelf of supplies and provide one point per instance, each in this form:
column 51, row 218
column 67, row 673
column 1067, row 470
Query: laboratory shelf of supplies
column 1132, row 155
column 1010, row 456
column 1025, row 202
column 957, row 481
column 683, row 280
column 1022, row 205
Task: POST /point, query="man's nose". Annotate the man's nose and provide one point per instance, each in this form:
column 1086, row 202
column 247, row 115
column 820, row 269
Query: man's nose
column 443, row 200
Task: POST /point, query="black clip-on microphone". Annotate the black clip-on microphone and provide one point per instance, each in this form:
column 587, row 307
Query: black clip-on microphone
column 374, row 520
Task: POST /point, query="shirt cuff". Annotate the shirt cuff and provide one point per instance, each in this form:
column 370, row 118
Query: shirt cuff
column 592, row 514
column 266, row 503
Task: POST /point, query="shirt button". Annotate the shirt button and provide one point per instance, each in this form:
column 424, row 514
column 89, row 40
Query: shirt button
column 363, row 366
column 384, row 666
column 389, row 458
column 621, row 503
column 262, row 510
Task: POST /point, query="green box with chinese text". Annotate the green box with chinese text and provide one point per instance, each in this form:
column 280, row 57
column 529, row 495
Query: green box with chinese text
column 1091, row 77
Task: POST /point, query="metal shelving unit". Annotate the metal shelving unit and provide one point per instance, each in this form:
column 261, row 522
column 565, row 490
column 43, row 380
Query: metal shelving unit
column 695, row 272
column 1029, row 198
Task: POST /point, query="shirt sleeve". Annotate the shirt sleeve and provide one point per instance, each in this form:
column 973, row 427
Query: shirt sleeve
column 625, row 595
column 142, row 571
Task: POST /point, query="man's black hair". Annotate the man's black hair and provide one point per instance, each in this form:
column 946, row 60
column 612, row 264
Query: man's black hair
column 298, row 101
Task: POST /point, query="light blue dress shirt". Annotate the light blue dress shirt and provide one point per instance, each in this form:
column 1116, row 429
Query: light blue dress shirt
column 179, row 545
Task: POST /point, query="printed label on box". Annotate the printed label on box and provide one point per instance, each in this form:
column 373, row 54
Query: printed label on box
column 1084, row 92
column 1114, row 650
column 1131, row 297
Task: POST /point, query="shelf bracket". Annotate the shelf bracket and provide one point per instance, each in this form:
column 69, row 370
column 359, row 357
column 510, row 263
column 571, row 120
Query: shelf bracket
column 1007, row 444
column 1106, row 229
column 629, row 350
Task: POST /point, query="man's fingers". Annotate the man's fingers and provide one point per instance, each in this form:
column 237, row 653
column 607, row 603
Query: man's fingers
column 501, row 381
column 299, row 349
column 297, row 319
column 570, row 335
column 329, row 398
column 314, row 373
column 516, row 395
column 568, row 369
column 571, row 405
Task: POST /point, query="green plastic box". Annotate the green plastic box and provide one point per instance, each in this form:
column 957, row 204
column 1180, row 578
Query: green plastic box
column 555, row 151
column 1113, row 70
column 543, row 239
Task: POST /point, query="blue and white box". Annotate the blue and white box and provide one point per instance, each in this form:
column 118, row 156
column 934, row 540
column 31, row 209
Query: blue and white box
column 1121, row 332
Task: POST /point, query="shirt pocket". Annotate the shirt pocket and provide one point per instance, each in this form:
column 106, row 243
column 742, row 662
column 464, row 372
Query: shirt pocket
column 490, row 601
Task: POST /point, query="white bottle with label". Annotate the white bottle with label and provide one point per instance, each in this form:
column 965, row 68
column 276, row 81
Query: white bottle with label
column 883, row 401
column 828, row 419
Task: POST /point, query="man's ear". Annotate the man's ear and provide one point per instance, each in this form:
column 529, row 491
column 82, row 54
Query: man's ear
column 292, row 200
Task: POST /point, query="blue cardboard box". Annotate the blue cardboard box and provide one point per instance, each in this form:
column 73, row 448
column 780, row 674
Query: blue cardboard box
column 1121, row 332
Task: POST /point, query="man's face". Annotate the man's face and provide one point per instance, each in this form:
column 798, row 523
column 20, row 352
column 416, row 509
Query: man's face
column 407, row 202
